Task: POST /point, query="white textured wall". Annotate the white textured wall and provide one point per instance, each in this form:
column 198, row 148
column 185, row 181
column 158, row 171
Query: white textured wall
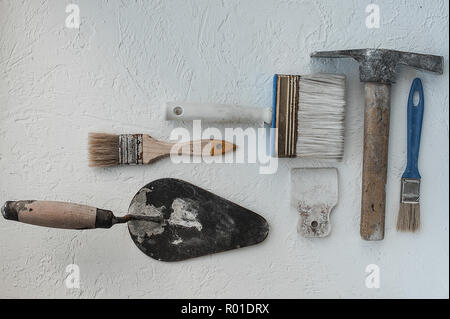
column 115, row 73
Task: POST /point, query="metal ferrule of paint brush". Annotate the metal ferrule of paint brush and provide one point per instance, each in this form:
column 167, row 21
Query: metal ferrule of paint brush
column 410, row 191
column 137, row 149
column 131, row 149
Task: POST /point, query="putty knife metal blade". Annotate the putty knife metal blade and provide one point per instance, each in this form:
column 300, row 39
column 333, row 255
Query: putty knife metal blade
column 196, row 222
column 314, row 193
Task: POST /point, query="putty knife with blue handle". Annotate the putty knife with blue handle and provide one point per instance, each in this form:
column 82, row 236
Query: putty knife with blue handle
column 409, row 213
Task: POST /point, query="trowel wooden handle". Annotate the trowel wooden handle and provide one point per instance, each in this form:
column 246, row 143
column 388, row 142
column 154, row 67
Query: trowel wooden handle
column 57, row 214
column 375, row 158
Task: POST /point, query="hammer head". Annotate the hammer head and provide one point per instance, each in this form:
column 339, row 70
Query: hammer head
column 378, row 65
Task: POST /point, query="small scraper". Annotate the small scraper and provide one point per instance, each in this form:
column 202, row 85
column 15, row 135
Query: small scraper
column 314, row 193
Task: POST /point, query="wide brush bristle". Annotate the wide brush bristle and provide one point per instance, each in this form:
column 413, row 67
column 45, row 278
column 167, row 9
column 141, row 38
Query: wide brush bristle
column 103, row 149
column 321, row 111
column 408, row 217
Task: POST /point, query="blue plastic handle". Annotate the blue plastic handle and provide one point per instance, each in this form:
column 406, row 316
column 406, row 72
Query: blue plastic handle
column 415, row 116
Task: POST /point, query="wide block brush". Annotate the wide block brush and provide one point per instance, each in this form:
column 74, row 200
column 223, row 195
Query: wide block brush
column 409, row 212
column 307, row 115
column 135, row 149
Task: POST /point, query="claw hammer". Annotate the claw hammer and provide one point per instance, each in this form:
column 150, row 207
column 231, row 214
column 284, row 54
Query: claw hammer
column 377, row 70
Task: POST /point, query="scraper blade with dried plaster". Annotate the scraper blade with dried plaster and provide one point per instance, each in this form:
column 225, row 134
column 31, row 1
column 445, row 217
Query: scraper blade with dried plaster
column 314, row 193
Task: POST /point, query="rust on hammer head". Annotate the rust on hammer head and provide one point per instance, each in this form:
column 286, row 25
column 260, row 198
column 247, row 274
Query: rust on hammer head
column 379, row 65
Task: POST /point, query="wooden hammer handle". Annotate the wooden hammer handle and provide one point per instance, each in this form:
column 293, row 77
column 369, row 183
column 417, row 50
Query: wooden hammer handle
column 57, row 214
column 375, row 160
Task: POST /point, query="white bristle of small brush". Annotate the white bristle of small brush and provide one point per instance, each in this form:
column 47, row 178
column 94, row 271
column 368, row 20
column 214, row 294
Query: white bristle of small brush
column 321, row 115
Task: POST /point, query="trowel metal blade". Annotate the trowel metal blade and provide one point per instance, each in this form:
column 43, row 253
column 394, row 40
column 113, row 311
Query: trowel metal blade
column 196, row 222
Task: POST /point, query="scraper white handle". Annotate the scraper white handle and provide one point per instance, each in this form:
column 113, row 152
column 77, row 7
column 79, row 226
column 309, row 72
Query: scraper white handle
column 222, row 113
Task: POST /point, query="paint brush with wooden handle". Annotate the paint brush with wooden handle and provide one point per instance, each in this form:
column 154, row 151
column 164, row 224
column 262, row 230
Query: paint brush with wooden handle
column 136, row 149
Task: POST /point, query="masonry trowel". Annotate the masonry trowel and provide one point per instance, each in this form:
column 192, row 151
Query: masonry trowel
column 168, row 219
